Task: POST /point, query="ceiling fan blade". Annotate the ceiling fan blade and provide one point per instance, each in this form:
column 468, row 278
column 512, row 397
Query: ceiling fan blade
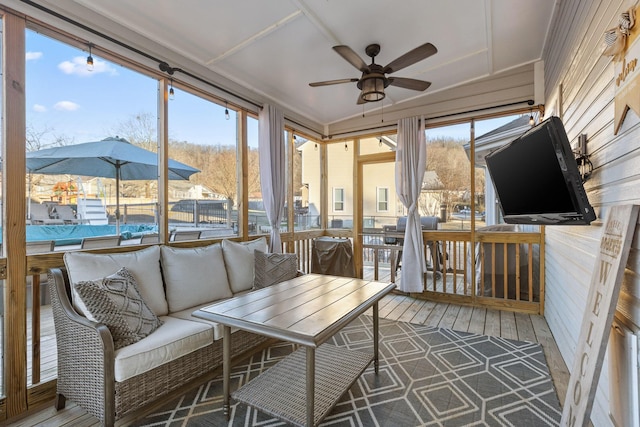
column 411, row 57
column 352, row 58
column 332, row 82
column 412, row 84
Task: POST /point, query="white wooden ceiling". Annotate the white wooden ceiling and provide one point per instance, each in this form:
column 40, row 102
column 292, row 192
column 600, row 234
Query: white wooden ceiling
column 275, row 48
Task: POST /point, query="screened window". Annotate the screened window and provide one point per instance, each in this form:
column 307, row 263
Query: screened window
column 203, row 135
column 77, row 109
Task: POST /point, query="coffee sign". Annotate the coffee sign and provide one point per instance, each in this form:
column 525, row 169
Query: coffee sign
column 596, row 322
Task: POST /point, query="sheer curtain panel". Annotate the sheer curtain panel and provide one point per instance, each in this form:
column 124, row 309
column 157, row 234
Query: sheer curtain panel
column 411, row 162
column 272, row 150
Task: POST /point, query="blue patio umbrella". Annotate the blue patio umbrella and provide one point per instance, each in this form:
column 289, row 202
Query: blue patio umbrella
column 109, row 158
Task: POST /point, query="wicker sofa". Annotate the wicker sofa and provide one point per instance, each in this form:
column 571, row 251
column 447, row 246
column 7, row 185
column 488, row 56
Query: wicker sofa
column 110, row 382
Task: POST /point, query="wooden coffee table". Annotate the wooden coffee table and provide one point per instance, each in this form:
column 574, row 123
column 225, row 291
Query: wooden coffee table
column 308, row 310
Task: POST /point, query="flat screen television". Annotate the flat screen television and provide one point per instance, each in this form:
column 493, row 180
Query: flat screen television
column 536, row 178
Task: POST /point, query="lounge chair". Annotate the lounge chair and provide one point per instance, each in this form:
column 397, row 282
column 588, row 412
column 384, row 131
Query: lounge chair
column 40, row 215
column 66, row 214
column 40, row 246
column 178, row 236
column 100, row 242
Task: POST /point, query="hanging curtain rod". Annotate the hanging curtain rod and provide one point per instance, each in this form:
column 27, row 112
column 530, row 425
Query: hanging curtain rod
column 135, row 50
column 511, row 104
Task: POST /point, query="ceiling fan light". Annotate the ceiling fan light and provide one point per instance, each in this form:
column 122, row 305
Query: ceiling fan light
column 373, row 89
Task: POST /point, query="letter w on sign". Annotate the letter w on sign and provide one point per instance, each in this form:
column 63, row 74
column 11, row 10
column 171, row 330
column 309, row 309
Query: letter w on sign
column 598, row 315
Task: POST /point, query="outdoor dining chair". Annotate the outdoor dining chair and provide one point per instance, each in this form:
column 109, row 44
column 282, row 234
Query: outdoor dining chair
column 149, row 238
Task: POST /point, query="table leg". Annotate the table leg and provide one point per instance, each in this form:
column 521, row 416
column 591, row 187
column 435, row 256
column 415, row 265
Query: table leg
column 311, row 386
column 226, row 369
column 376, row 360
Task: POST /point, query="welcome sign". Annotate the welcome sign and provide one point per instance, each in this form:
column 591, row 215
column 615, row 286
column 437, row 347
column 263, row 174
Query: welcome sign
column 598, row 315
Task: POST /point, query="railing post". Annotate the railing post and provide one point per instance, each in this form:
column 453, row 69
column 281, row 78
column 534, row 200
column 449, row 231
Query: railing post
column 375, row 264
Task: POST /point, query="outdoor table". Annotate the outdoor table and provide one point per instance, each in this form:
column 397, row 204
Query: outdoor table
column 307, row 310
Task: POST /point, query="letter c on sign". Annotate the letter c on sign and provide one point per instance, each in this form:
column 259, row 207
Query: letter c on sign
column 583, row 364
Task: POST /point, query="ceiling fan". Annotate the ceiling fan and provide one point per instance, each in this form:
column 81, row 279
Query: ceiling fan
column 374, row 77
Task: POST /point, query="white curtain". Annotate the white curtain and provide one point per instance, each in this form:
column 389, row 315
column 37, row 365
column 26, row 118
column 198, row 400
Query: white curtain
column 272, row 150
column 411, row 163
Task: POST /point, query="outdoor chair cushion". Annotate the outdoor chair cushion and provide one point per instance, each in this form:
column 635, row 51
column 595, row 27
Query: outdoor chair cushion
column 144, row 265
column 194, row 276
column 174, row 339
column 116, row 302
column 274, row 268
column 239, row 259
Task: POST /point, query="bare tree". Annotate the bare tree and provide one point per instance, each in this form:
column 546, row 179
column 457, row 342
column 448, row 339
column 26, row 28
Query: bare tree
column 139, row 129
column 34, row 137
column 449, row 160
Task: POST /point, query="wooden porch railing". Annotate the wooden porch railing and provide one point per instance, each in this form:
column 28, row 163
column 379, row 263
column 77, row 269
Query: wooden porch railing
column 503, row 270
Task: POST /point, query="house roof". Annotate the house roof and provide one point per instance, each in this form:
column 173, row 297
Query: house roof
column 498, row 137
column 521, row 122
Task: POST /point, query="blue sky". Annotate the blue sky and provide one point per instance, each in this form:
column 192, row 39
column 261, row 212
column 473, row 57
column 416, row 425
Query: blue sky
column 69, row 102
column 66, row 100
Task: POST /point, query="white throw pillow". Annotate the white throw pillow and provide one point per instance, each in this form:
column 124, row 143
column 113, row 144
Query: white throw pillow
column 144, row 265
column 194, row 276
column 239, row 260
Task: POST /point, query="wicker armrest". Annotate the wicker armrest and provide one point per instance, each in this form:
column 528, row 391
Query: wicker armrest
column 85, row 354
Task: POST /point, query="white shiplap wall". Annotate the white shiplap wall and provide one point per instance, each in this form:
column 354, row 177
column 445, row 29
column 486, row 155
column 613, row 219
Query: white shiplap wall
column 579, row 86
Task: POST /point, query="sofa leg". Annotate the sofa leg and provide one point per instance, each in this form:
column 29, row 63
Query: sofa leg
column 60, row 401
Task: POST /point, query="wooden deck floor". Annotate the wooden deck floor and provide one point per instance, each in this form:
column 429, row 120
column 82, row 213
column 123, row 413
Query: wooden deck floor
column 394, row 307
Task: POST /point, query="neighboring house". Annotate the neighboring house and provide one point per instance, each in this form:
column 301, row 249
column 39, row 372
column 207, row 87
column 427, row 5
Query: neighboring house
column 431, row 194
column 199, row 191
column 488, row 143
column 381, row 205
column 188, row 190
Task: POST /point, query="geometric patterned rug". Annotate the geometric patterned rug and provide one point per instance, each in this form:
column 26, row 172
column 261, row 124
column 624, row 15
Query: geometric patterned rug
column 428, row 377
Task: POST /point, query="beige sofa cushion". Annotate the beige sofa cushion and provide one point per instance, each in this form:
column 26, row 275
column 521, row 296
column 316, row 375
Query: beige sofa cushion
column 194, row 276
column 187, row 314
column 239, row 260
column 174, row 339
column 144, row 265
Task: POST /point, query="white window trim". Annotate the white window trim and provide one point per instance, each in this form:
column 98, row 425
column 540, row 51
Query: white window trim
column 378, row 199
column 334, row 199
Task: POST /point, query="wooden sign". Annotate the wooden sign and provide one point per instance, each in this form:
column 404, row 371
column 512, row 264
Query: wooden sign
column 598, row 315
column 627, row 71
